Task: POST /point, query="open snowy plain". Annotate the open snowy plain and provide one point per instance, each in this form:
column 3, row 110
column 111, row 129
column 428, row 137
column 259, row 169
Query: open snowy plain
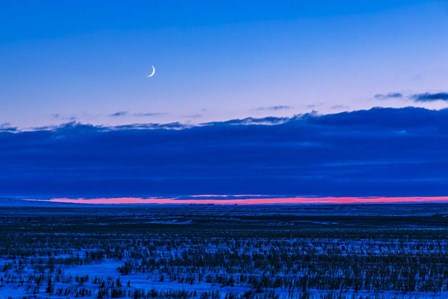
column 206, row 251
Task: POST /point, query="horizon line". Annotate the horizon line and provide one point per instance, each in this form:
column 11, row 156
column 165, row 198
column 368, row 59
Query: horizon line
column 255, row 200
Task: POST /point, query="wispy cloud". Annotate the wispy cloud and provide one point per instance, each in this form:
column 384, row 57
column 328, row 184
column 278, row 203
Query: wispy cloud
column 314, row 106
column 119, row 114
column 338, row 107
column 274, row 108
column 64, row 117
column 430, row 97
column 148, row 114
column 136, row 114
column 387, row 96
column 415, row 97
column 193, row 116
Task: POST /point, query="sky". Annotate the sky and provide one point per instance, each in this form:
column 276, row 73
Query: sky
column 88, row 61
column 276, row 100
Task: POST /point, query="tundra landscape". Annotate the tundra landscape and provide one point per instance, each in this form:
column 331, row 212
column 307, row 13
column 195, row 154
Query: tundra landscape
column 212, row 251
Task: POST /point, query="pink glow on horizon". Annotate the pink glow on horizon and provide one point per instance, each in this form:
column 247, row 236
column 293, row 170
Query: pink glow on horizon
column 250, row 201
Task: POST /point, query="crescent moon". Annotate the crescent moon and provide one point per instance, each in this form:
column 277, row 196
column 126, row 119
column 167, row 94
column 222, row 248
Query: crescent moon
column 153, row 72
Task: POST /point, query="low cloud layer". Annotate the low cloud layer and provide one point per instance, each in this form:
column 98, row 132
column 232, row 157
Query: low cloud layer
column 377, row 152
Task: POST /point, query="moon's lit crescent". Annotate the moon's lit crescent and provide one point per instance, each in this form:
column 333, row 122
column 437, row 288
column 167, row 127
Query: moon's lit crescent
column 153, row 72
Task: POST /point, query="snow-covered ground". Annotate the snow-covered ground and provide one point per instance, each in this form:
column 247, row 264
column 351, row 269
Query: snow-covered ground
column 210, row 253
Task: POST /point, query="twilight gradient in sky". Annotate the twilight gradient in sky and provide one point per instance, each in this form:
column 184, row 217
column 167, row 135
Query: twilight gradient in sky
column 88, row 61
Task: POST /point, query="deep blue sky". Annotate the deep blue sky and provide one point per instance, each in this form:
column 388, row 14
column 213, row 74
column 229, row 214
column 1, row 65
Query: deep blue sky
column 216, row 60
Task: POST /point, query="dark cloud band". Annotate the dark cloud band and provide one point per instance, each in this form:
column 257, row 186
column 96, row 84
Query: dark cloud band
column 377, row 152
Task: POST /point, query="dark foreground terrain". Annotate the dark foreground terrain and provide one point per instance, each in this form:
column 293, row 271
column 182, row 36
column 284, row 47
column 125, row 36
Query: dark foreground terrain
column 318, row 251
